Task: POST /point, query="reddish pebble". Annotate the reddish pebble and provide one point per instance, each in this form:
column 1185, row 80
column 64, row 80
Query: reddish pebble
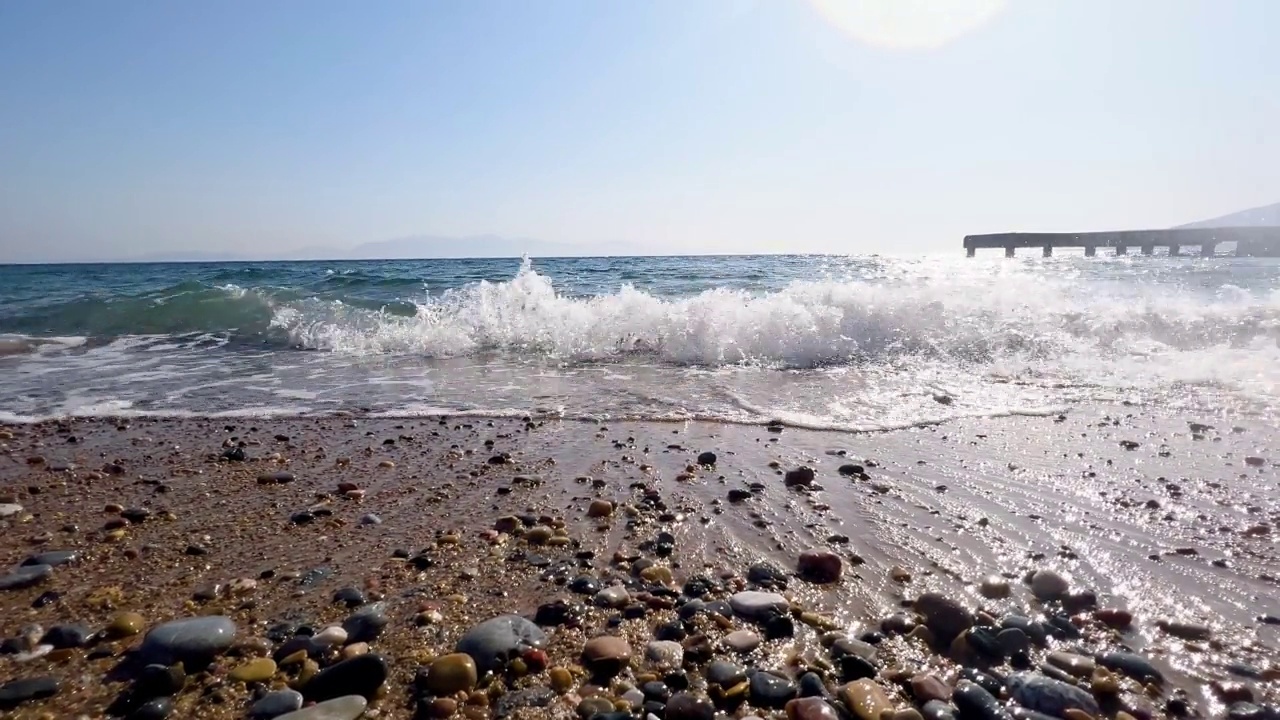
column 347, row 487
column 537, row 660
column 1113, row 618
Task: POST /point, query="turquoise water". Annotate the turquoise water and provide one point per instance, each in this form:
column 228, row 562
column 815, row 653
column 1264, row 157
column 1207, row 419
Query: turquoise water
column 853, row 343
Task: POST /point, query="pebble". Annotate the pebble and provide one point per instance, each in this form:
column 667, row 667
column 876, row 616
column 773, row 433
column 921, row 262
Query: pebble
column 24, row 577
column 9, row 510
column 741, row 641
column 755, row 605
column 769, row 690
column 600, row 509
column 606, row 656
column 767, row 576
column 1075, row 665
column 1185, row 630
column 820, row 567
column 975, row 703
column 274, row 704
column 866, row 699
column 331, row 636
column 929, row 687
column 664, row 654
column 53, row 558
column 1049, row 696
column 1135, row 666
column 684, row 706
column 126, row 624
column 342, row 708
column 16, row 692
column 945, row 617
column 994, row 587
column 366, row 623
column 613, row 597
column 810, row 709
column 189, row 641
column 1049, row 585
column 259, row 670
column 452, row 673
column 561, row 679
column 801, row 477
column 493, row 642
column 362, row 676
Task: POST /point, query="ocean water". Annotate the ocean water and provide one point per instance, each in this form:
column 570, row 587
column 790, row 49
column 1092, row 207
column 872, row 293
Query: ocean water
column 841, row 343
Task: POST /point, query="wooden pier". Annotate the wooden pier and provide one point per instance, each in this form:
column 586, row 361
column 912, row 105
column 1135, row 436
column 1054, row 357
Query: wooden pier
column 1248, row 241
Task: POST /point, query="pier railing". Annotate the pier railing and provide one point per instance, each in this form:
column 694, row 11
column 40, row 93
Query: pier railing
column 1247, row 241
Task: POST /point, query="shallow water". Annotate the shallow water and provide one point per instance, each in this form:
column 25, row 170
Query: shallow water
column 851, row 343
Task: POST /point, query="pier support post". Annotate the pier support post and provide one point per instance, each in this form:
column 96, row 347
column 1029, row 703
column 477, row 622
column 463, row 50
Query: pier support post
column 1122, row 250
column 1208, row 249
column 1175, row 251
column 1008, row 251
column 970, row 252
column 1148, row 249
column 1090, row 250
column 1048, row 251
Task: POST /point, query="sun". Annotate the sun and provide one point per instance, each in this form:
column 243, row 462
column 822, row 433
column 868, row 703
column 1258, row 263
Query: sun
column 907, row 24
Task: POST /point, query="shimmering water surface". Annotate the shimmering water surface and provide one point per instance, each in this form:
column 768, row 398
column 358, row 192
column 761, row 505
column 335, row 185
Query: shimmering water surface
column 853, row 343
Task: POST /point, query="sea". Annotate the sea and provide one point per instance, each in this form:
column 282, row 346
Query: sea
column 842, row 343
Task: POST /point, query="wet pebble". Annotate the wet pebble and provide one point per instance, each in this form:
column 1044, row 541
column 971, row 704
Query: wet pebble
column 944, row 616
column 452, row 673
column 362, row 675
column 190, row 640
column 684, row 706
column 342, row 708
column 274, row 704
column 1048, row 585
column 17, row 692
column 755, row 605
column 24, row 577
column 1052, row 697
column 493, row 642
column 606, row 656
column 820, row 567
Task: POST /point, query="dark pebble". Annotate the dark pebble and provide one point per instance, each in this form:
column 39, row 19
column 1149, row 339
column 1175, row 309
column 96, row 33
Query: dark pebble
column 16, row 692
column 361, row 675
column 154, row 709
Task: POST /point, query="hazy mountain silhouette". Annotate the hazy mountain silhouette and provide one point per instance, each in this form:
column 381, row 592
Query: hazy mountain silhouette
column 1265, row 216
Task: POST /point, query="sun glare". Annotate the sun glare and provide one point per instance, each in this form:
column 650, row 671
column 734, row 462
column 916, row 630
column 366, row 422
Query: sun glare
column 907, row 24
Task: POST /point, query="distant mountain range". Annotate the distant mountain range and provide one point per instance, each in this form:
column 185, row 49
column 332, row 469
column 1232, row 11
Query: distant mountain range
column 1265, row 216
column 414, row 247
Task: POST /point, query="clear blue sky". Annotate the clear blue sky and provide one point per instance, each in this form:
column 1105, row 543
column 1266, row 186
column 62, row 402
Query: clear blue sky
column 129, row 128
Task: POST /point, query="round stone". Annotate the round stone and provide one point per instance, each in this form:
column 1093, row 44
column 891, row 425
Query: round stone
column 259, row 670
column 600, row 509
column 1049, row 585
column 994, row 587
column 494, row 642
column 707, row 458
column 810, row 708
column 741, row 641
column 606, row 656
column 362, row 675
column 189, row 641
column 946, row 618
column 342, row 708
column 126, row 624
column 561, row 679
column 451, row 674
column 683, row 706
column 755, row 605
column 275, row 704
column 820, row 567
column 664, row 654
column 25, row 576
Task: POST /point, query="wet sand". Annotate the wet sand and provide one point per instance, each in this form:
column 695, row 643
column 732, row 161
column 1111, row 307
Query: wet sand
column 1166, row 521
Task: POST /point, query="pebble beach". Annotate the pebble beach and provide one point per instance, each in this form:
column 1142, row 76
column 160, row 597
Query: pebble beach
column 1110, row 563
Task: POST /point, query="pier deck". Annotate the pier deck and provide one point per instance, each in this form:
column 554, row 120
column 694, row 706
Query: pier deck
column 1249, row 241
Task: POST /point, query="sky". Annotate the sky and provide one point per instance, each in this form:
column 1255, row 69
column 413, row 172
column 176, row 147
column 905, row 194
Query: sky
column 249, row 128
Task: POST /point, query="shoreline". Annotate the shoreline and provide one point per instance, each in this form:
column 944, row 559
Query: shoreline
column 945, row 505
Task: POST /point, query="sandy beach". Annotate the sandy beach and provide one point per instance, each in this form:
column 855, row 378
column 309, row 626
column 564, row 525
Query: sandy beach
column 430, row 526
